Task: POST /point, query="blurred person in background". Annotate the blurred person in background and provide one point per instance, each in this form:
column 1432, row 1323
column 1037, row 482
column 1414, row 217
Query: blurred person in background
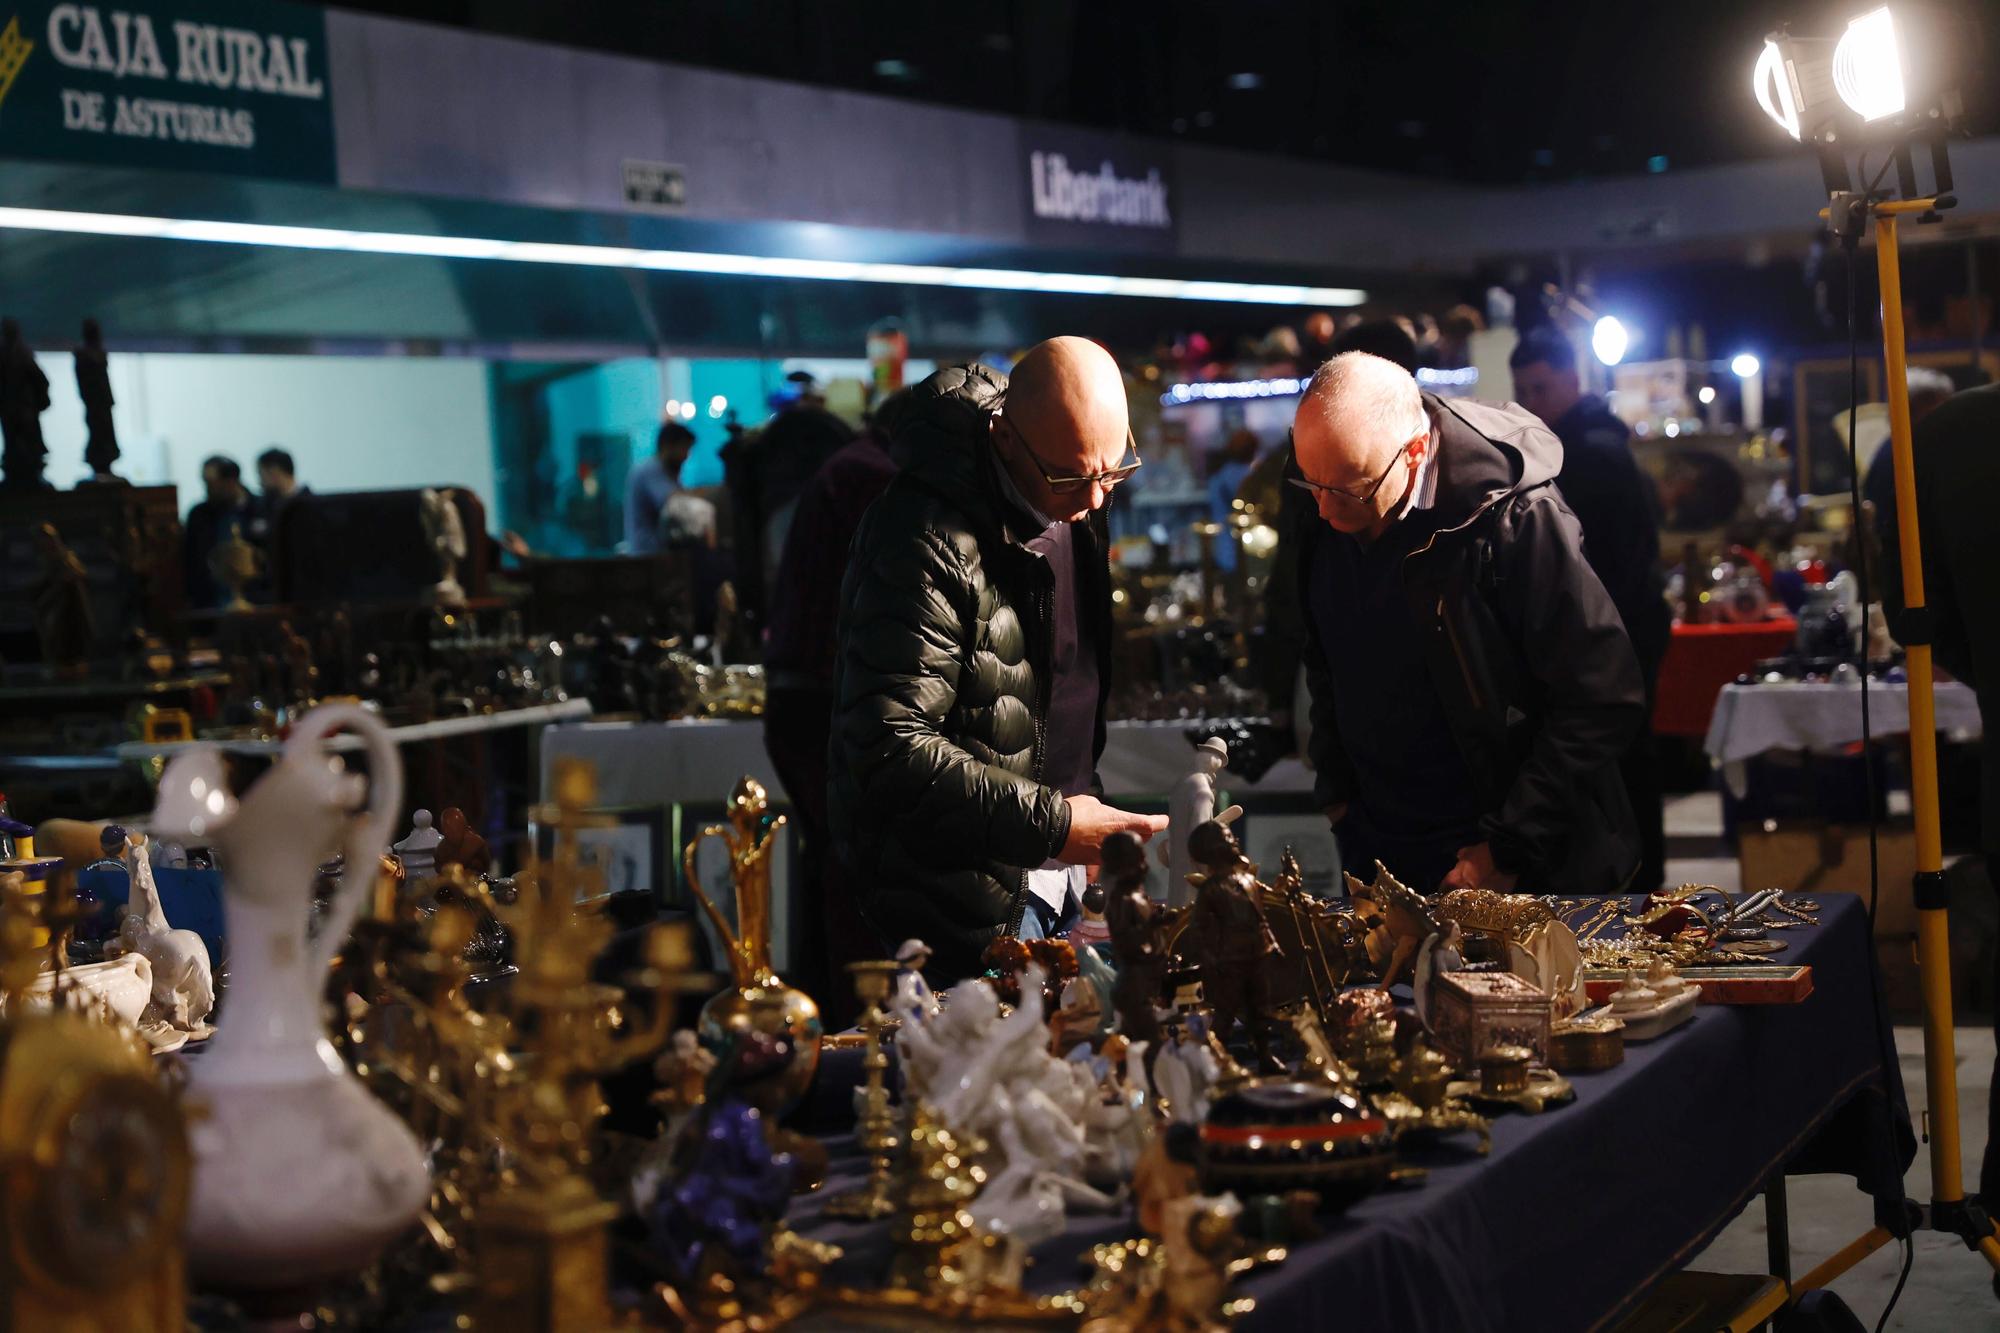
column 1957, row 456
column 1928, row 389
column 799, row 650
column 975, row 657
column 227, row 512
column 1286, row 508
column 1619, row 509
column 1227, row 471
column 1472, row 684
column 278, row 481
column 766, row 471
column 650, row 484
column 1455, row 328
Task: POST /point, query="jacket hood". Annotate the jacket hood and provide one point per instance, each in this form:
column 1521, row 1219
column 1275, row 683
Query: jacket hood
column 1487, row 452
column 937, row 429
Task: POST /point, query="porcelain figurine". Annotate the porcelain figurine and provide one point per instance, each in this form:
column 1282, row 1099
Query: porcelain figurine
column 183, row 981
column 1443, row 951
column 418, row 849
column 1191, row 805
column 993, row 1077
column 1232, row 938
column 444, row 532
column 913, row 998
column 1090, row 930
column 301, row 1175
column 1184, row 1073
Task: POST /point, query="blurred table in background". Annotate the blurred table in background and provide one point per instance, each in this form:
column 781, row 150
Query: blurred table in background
column 1818, row 716
column 1701, row 659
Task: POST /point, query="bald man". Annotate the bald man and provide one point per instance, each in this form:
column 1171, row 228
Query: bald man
column 1472, row 684
column 974, row 660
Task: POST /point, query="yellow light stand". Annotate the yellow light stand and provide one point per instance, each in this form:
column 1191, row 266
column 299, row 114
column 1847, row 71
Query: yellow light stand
column 1948, row 1211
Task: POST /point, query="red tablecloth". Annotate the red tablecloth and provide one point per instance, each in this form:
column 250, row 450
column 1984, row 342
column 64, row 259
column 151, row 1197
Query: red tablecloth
column 1701, row 659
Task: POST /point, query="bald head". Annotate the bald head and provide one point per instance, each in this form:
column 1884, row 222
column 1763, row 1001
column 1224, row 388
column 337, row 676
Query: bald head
column 1360, row 421
column 1065, row 412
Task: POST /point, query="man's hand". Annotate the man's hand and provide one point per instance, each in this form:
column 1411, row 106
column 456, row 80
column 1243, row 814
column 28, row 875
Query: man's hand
column 1475, row 870
column 1091, row 821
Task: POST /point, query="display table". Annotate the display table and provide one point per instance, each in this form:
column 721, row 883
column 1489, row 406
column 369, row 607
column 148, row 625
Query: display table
column 1752, row 719
column 695, row 762
column 1580, row 1211
column 1701, row 660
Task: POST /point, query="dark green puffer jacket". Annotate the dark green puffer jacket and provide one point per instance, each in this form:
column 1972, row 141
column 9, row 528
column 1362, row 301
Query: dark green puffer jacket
column 942, row 682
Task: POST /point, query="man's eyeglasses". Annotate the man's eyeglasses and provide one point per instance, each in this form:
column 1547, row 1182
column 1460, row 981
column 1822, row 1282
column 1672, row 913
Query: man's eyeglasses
column 1071, row 483
column 1367, row 497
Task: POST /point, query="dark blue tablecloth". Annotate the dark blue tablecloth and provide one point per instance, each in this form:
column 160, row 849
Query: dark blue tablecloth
column 1579, row 1211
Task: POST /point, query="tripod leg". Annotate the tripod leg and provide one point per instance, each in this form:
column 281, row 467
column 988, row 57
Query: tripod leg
column 1933, row 926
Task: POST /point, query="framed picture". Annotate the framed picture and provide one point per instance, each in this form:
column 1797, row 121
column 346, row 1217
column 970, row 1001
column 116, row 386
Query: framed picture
column 712, row 868
column 629, row 855
column 1266, row 836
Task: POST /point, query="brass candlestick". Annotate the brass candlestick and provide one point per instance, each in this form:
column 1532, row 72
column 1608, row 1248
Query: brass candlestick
column 872, row 983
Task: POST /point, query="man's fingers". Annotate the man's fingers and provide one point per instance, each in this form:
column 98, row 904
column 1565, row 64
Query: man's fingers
column 1149, row 824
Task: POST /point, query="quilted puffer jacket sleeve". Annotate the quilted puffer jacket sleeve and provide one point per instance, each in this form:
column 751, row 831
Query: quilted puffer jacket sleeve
column 909, row 621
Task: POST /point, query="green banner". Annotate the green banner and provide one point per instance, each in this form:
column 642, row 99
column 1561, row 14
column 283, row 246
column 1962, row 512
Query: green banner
column 191, row 85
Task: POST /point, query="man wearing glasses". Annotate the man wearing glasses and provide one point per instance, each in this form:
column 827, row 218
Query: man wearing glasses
column 1472, row 684
column 974, row 661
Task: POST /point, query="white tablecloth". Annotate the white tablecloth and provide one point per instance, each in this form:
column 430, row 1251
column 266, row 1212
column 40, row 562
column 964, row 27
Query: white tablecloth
column 1751, row 719
column 697, row 762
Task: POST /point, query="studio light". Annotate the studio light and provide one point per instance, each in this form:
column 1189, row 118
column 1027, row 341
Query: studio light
column 1609, row 340
column 1867, row 67
column 1888, row 73
column 1745, row 364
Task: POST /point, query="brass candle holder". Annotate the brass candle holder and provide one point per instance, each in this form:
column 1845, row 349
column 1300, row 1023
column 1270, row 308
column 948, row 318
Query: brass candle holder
column 872, row 984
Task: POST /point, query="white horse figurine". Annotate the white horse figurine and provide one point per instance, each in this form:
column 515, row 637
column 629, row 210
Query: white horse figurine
column 183, row 981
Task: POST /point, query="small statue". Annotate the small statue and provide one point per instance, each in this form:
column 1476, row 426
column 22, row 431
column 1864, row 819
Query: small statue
column 444, row 532
column 1442, row 952
column 459, row 845
column 913, row 997
column 1131, row 916
column 236, row 564
column 1192, row 805
column 1090, row 930
column 418, row 849
column 183, row 981
column 1166, row 1172
column 65, row 622
column 93, row 387
column 1406, row 923
column 1232, row 938
column 24, row 396
column 301, row 672
column 716, row 1217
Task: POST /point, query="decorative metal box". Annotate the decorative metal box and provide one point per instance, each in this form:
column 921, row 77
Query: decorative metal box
column 1475, row 1010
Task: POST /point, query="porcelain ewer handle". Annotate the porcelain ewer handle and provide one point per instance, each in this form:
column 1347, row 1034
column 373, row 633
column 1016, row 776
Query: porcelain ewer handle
column 366, row 835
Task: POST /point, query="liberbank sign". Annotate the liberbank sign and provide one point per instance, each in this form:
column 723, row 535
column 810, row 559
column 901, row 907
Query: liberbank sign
column 232, row 86
column 1092, row 190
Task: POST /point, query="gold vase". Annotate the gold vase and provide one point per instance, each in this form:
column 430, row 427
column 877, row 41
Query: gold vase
column 758, row 1001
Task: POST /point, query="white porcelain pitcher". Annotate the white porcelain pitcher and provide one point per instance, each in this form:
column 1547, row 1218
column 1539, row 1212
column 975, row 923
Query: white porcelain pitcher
column 300, row 1173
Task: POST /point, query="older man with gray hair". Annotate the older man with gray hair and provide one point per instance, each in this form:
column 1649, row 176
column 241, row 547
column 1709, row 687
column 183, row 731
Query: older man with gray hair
column 1472, row 684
